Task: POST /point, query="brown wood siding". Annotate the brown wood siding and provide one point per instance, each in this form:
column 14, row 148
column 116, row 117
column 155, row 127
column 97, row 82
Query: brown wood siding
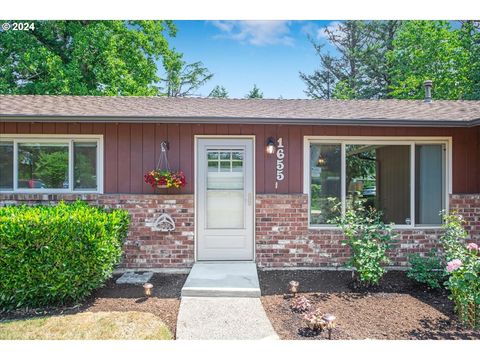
column 132, row 149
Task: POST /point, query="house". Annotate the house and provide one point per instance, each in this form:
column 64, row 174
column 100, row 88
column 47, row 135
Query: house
column 262, row 175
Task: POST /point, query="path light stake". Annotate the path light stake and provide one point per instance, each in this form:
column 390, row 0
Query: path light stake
column 330, row 320
column 147, row 289
column 294, row 287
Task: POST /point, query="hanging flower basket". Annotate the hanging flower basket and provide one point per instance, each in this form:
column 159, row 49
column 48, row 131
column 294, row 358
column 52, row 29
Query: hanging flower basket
column 165, row 179
column 162, row 177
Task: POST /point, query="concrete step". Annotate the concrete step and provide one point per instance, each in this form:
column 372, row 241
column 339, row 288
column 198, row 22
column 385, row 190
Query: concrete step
column 222, row 279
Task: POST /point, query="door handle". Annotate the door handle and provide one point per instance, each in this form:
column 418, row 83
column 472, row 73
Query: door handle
column 249, row 199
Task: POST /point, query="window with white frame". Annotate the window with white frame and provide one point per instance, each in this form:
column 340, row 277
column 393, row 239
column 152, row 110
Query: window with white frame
column 405, row 179
column 51, row 164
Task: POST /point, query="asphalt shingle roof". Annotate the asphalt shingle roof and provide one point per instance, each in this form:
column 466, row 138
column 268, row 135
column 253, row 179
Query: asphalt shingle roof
column 210, row 108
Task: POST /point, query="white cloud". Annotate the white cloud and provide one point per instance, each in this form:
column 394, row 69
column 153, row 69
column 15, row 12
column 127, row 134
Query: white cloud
column 268, row 32
column 333, row 27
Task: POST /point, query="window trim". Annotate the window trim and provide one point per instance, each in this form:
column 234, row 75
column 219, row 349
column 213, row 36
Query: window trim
column 387, row 140
column 56, row 138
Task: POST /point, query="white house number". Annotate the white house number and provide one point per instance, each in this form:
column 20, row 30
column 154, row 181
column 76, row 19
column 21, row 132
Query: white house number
column 280, row 161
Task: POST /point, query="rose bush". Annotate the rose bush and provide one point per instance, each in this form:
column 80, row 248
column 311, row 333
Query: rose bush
column 463, row 267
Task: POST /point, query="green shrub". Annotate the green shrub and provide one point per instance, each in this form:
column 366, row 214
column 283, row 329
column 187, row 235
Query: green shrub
column 53, row 255
column 463, row 269
column 428, row 270
column 369, row 238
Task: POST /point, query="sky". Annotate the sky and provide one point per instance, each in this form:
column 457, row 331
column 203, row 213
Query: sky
column 242, row 53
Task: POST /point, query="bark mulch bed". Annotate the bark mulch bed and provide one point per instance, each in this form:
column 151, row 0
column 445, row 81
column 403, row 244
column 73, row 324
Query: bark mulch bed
column 397, row 308
column 164, row 302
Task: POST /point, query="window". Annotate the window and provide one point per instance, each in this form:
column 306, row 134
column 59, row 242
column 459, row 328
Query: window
column 225, row 189
column 405, row 179
column 50, row 164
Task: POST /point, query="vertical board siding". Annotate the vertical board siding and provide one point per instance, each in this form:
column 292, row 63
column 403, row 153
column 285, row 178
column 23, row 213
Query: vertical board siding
column 10, row 128
column 295, row 160
column 259, row 131
column 61, row 128
column 186, row 155
column 74, row 128
column 86, row 128
column 130, row 150
column 36, row 128
column 48, row 128
column 23, row 128
column 136, row 157
column 124, row 153
column 460, row 166
column 148, row 154
column 110, row 160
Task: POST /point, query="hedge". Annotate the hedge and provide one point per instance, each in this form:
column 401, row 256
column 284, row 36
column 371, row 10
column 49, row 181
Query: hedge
column 57, row 255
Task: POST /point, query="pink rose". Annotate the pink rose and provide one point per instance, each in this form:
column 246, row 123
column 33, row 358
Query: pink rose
column 454, row 265
column 472, row 247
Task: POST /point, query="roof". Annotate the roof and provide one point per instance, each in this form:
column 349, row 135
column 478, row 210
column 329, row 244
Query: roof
column 164, row 109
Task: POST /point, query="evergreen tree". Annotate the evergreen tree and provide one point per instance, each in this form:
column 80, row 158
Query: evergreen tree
column 219, row 92
column 255, row 93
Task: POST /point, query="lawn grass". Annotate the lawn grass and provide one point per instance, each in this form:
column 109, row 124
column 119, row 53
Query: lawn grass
column 132, row 325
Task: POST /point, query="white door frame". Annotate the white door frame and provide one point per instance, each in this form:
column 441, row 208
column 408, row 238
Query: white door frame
column 195, row 187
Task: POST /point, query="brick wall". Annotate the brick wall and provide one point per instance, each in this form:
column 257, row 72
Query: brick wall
column 284, row 240
column 282, row 235
column 469, row 207
column 144, row 247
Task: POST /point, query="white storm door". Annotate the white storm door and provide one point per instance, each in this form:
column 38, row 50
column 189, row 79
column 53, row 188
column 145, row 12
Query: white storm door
column 225, row 199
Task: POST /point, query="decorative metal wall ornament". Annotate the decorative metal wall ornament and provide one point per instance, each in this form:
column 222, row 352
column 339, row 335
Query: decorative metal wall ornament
column 164, row 223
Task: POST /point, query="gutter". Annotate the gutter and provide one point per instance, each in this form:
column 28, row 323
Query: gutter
column 239, row 120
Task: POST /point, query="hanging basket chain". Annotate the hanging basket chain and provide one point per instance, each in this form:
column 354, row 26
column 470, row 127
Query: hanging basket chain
column 163, row 160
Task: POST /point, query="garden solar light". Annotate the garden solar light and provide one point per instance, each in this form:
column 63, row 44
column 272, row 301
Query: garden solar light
column 147, row 288
column 330, row 320
column 293, row 287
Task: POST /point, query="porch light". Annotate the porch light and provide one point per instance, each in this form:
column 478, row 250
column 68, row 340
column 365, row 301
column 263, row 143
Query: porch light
column 147, row 289
column 330, row 320
column 270, row 145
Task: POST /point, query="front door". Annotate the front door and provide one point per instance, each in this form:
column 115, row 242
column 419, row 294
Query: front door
column 225, row 199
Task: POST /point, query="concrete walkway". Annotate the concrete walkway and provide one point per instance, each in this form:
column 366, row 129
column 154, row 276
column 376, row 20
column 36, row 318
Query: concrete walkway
column 219, row 318
column 221, row 301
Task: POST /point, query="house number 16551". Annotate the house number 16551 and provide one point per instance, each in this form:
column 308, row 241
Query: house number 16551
column 280, row 159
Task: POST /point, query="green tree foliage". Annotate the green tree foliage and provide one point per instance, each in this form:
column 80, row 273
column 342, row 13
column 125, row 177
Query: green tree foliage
column 470, row 39
column 255, row 93
column 375, row 71
column 84, row 57
column 392, row 59
column 182, row 79
column 430, row 50
column 347, row 38
column 219, row 92
column 359, row 71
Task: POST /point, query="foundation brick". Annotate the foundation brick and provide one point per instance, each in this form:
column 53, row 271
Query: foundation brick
column 283, row 238
column 322, row 247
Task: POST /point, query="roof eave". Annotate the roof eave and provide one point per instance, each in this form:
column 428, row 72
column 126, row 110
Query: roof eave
column 240, row 120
